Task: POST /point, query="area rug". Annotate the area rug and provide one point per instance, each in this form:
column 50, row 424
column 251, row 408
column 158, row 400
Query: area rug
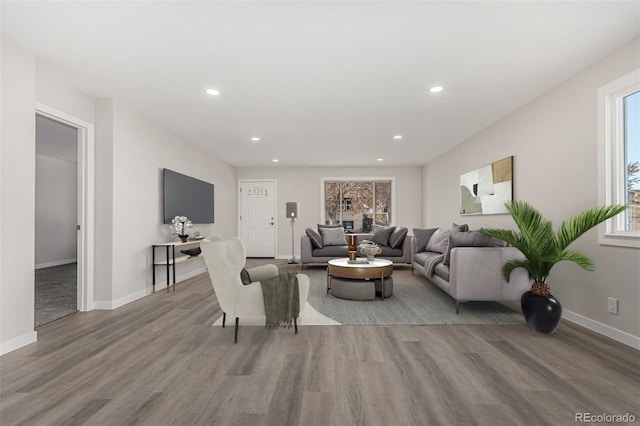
column 415, row 301
column 55, row 293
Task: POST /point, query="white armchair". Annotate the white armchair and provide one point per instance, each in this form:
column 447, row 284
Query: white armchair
column 225, row 258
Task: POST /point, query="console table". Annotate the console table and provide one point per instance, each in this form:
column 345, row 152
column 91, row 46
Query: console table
column 171, row 260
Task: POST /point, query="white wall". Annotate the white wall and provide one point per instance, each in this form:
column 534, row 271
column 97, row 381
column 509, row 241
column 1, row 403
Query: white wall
column 554, row 142
column 56, row 211
column 17, row 194
column 130, row 153
column 141, row 149
column 104, row 200
column 56, row 91
column 304, row 184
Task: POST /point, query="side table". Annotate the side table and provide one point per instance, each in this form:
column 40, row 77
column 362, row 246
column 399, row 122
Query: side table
column 170, row 260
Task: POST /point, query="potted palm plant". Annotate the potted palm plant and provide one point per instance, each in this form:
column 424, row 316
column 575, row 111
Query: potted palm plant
column 543, row 249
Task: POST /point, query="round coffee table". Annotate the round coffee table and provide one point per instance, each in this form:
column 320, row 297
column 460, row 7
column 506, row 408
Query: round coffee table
column 376, row 269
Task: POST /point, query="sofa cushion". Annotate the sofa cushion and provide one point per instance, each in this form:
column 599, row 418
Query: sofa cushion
column 439, row 241
column 390, row 252
column 331, row 251
column 425, row 257
column 461, row 228
column 381, row 234
column 422, row 237
column 470, row 239
column 315, row 237
column 397, row 237
column 442, row 271
column 333, row 237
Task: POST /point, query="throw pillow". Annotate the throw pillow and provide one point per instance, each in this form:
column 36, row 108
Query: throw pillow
column 461, row 228
column 381, row 235
column 333, row 237
column 315, row 237
column 422, row 238
column 397, row 237
column 470, row 239
column 244, row 277
column 439, row 241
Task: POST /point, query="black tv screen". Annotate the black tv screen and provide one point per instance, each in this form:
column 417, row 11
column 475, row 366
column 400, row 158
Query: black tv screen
column 186, row 196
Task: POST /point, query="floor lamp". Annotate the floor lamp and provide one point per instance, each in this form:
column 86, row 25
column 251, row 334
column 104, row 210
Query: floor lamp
column 292, row 213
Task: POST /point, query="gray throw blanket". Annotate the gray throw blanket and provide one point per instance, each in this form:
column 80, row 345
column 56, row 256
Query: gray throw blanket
column 431, row 263
column 281, row 300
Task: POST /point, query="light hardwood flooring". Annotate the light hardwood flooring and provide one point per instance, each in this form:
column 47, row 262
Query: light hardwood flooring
column 158, row 361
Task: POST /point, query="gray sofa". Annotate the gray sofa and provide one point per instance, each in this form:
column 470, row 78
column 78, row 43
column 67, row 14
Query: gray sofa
column 471, row 272
column 311, row 255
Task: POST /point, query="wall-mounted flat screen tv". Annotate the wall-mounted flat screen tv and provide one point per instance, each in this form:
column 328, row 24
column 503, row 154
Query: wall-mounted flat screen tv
column 187, row 196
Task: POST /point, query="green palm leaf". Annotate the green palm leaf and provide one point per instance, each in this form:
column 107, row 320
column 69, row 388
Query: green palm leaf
column 573, row 228
column 511, row 265
column 578, row 258
column 541, row 246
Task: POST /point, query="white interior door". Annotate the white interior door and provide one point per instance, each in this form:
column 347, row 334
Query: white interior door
column 258, row 217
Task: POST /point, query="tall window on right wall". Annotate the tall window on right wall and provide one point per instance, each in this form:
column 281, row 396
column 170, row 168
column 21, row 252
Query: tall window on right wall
column 619, row 158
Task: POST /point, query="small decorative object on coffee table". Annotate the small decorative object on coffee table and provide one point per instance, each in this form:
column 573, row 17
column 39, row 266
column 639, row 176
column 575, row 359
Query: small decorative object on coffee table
column 179, row 226
column 370, row 251
column 352, row 241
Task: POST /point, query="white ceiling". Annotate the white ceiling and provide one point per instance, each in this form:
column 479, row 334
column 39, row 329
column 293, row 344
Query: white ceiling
column 321, row 83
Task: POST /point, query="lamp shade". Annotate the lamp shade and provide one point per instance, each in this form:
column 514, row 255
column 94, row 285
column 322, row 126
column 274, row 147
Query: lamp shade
column 292, row 210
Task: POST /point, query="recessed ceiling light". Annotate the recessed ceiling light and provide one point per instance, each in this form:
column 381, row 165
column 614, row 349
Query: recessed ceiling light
column 275, row 160
column 436, row 89
column 379, row 159
column 255, row 139
column 213, row 92
column 397, row 137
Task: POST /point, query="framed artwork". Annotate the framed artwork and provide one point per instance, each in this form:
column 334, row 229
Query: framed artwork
column 487, row 189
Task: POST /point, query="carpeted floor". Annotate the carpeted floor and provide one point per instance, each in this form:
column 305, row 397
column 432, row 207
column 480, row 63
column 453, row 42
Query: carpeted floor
column 55, row 293
column 414, row 301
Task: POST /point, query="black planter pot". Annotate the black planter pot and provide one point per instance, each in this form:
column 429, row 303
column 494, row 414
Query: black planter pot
column 541, row 313
column 183, row 238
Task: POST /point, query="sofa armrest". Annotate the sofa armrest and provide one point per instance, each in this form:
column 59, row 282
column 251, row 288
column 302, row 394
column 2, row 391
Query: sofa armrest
column 262, row 272
column 407, row 249
column 414, row 246
column 475, row 273
column 306, row 251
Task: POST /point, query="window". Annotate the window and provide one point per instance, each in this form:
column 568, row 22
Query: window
column 619, row 158
column 358, row 203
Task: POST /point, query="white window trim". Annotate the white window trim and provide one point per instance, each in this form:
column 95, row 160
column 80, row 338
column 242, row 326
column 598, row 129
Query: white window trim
column 611, row 184
column 359, row 178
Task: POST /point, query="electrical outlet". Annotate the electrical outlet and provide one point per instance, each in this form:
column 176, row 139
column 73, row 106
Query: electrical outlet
column 613, row 306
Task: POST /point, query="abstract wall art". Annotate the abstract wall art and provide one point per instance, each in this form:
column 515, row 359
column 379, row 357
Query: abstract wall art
column 487, row 189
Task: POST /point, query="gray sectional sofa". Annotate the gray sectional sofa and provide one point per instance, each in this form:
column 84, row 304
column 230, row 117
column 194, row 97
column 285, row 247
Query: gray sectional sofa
column 468, row 266
column 312, row 254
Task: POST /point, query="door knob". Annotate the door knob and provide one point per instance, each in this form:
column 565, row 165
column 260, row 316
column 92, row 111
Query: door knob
column 272, row 223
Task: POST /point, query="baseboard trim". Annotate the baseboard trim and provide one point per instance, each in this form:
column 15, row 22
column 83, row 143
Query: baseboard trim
column 114, row 304
column 18, row 342
column 110, row 305
column 605, row 330
column 56, row 263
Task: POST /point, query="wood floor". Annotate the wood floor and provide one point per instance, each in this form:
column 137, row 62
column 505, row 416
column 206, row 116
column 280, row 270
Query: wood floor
column 158, row 361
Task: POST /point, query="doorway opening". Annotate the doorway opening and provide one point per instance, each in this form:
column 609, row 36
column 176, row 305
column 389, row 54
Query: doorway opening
column 64, row 215
column 56, row 220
